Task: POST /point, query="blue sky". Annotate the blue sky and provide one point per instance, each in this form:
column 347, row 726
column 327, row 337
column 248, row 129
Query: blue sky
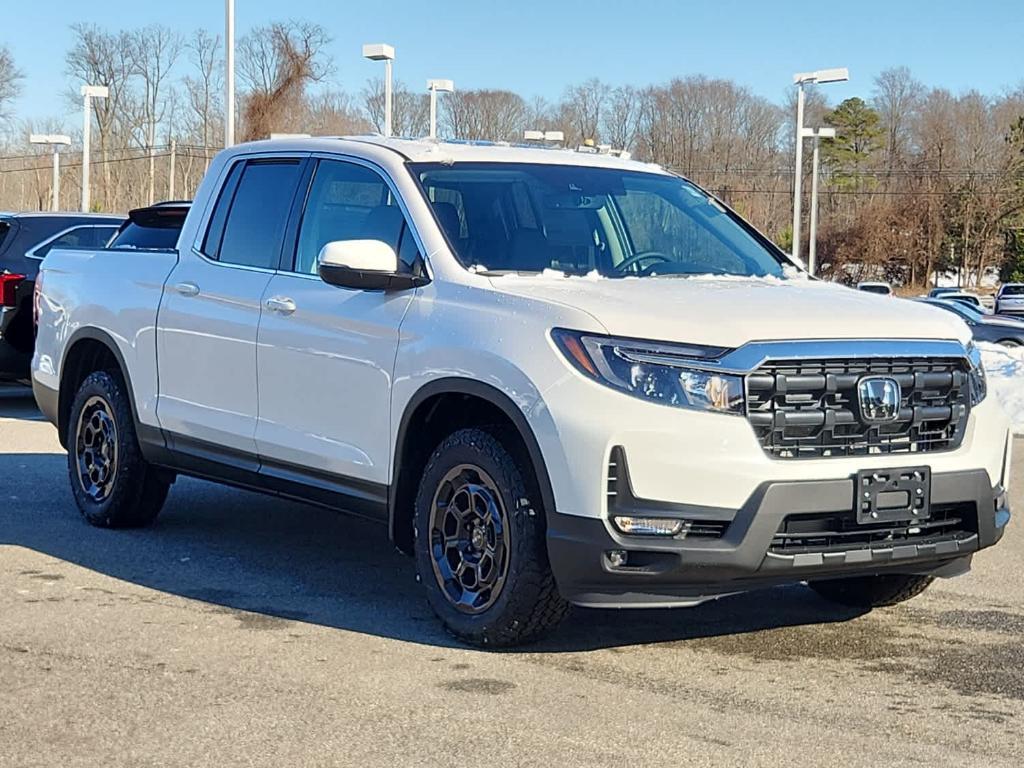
column 537, row 48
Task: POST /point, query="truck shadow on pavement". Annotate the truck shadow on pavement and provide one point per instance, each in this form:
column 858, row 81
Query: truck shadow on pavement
column 250, row 553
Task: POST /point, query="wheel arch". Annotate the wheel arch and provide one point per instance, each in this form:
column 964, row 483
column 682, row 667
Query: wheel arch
column 89, row 350
column 419, row 407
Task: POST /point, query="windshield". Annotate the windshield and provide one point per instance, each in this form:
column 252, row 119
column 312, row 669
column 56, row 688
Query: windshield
column 1012, row 290
column 505, row 217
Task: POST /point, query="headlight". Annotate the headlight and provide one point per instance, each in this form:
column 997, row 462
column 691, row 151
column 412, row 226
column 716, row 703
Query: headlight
column 670, row 374
column 976, row 381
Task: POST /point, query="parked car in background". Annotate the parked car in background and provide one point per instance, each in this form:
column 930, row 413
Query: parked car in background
column 984, row 327
column 25, row 239
column 883, row 289
column 962, row 297
column 935, row 293
column 1010, row 299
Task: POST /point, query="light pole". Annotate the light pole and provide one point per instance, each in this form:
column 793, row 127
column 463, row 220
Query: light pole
column 444, row 86
column 56, row 140
column 839, row 74
column 229, row 73
column 812, row 244
column 386, row 53
column 89, row 92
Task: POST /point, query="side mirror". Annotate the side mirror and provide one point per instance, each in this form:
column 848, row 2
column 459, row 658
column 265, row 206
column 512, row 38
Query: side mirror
column 367, row 264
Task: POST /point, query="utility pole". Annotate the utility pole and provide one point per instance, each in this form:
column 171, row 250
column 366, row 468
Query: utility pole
column 89, row 92
column 386, row 53
column 56, row 141
column 812, row 242
column 433, row 86
column 170, row 183
column 229, row 73
column 837, row 75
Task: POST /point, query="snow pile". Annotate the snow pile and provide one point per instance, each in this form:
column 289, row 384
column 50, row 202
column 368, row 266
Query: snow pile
column 1004, row 367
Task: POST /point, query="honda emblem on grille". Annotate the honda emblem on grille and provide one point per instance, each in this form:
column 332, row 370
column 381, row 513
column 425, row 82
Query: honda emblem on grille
column 880, row 398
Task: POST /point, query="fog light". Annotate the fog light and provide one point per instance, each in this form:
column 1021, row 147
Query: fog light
column 650, row 526
column 617, row 557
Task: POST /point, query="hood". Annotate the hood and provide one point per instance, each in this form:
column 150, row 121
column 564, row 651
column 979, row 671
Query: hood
column 731, row 311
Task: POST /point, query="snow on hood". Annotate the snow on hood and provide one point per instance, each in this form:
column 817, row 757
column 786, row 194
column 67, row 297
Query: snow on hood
column 1004, row 368
column 730, row 311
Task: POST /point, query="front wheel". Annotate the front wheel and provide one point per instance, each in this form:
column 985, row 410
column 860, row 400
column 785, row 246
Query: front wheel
column 480, row 547
column 871, row 591
column 113, row 485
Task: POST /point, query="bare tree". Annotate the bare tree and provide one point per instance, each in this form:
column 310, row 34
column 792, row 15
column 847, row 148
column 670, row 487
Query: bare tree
column 410, row 111
column 97, row 57
column 203, row 87
column 10, row 82
column 333, row 113
column 582, row 108
column 276, row 64
column 487, row 115
column 154, row 51
column 621, row 118
column 897, row 94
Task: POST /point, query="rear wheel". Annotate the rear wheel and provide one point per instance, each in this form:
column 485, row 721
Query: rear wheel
column 872, row 591
column 480, row 547
column 113, row 485
column 1009, row 343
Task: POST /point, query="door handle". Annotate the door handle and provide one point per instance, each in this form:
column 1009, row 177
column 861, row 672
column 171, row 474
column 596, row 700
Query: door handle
column 187, row 289
column 280, row 304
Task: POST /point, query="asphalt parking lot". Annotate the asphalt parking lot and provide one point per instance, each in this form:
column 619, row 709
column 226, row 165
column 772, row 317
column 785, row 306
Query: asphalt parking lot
column 243, row 630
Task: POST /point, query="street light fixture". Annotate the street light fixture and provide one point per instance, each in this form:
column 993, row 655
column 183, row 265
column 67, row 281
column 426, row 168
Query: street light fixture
column 89, row 92
column 444, row 86
column 56, row 140
column 835, row 75
column 812, row 245
column 385, row 53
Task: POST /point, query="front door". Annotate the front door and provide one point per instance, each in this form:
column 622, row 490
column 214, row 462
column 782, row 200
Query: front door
column 327, row 354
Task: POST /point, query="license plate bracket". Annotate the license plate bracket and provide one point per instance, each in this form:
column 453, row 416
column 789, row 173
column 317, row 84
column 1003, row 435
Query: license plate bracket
column 887, row 495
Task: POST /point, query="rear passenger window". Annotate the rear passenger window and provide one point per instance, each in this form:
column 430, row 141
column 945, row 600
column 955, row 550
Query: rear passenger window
column 350, row 202
column 79, row 237
column 256, row 215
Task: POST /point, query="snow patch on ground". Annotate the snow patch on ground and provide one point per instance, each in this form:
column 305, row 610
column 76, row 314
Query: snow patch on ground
column 1004, row 368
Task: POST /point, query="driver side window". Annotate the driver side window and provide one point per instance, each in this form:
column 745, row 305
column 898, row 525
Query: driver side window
column 350, row 202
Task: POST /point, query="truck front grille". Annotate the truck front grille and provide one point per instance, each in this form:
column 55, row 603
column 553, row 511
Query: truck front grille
column 810, row 408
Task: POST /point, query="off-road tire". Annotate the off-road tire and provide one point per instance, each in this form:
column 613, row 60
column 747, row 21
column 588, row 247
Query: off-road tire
column 528, row 603
column 872, row 591
column 138, row 490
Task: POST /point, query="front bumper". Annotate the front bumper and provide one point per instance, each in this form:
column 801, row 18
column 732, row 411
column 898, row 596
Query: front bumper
column 661, row 573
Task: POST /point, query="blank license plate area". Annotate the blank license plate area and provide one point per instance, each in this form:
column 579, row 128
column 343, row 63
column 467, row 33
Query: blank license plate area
column 893, row 494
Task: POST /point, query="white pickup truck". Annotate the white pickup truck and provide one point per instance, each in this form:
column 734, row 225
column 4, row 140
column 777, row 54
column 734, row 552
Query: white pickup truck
column 558, row 377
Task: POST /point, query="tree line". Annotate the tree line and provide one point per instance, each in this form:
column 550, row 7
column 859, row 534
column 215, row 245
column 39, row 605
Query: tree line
column 918, row 180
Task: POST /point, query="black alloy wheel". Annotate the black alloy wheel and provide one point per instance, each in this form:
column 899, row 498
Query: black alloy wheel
column 112, row 483
column 469, row 539
column 96, row 450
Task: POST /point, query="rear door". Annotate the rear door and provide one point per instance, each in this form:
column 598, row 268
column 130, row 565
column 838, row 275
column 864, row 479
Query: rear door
column 327, row 354
column 209, row 317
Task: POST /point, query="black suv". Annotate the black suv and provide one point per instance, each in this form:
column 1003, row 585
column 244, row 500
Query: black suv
column 25, row 238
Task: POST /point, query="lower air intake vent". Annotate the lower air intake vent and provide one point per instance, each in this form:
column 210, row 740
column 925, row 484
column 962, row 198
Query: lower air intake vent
column 623, row 502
